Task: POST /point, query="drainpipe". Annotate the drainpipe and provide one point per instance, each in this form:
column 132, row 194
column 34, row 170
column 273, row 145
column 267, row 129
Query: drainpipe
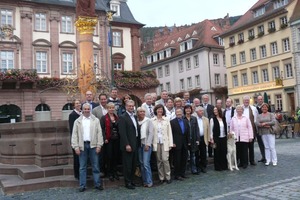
column 209, row 75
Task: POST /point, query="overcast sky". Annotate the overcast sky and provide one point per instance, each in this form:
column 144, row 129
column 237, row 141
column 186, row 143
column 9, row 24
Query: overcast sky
column 181, row 12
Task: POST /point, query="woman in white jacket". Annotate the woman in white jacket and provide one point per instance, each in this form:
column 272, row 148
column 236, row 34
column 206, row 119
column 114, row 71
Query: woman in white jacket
column 162, row 143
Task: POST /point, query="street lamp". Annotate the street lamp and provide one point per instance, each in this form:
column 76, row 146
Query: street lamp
column 109, row 16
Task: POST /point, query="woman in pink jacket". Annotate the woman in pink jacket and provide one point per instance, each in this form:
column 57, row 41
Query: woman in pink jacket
column 242, row 128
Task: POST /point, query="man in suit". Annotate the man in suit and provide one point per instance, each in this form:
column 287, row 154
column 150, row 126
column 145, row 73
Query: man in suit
column 75, row 114
column 163, row 98
column 147, row 105
column 89, row 99
column 181, row 140
column 100, row 111
column 260, row 142
column 228, row 113
column 209, row 113
column 203, row 125
column 186, row 97
column 114, row 99
column 87, row 141
column 129, row 142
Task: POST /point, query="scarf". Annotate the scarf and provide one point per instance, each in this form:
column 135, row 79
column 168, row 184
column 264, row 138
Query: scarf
column 108, row 126
column 144, row 125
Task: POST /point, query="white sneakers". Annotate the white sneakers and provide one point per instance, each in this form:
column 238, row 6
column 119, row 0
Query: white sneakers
column 267, row 163
column 274, row 164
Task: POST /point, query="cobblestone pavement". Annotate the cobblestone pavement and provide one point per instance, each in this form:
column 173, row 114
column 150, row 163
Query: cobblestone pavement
column 255, row 182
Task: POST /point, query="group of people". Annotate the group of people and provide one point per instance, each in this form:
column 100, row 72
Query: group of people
column 167, row 132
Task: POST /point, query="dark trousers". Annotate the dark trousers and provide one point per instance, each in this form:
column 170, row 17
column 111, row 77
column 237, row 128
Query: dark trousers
column 111, row 156
column 201, row 156
column 242, row 153
column 75, row 164
column 180, row 159
column 210, row 151
column 251, row 151
column 129, row 160
column 261, row 147
column 220, row 153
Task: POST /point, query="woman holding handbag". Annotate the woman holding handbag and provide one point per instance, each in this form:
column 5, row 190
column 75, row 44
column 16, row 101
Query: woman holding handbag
column 264, row 122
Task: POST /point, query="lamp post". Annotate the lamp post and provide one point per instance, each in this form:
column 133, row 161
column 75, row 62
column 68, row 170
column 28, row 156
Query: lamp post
column 109, row 16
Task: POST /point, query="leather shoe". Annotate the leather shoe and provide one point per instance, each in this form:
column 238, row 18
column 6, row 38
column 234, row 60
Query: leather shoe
column 100, row 187
column 184, row 176
column 161, row 181
column 196, row 173
column 252, row 163
column 130, row 186
column 82, row 189
column 169, row 181
column 203, row 170
column 262, row 160
column 245, row 166
column 179, row 178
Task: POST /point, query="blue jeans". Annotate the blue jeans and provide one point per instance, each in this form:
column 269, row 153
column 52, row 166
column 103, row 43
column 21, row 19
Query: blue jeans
column 193, row 162
column 144, row 157
column 94, row 158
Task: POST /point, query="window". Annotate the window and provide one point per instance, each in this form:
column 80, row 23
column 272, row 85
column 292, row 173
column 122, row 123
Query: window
column 181, row 84
column 160, row 72
column 180, row 66
column 274, row 49
column 235, row 81
column 265, row 75
column 260, row 11
column 67, row 63
column 251, row 33
column 225, row 79
column 236, row 102
column 286, row 44
column 7, row 60
column 6, row 17
column 41, row 62
column 283, row 20
column 241, row 36
column 233, row 60
column 224, row 60
column 66, row 24
column 168, row 53
column 161, row 55
column 168, row 87
column 196, row 61
column 242, row 57
column 188, row 63
column 167, row 70
column 255, row 77
column 221, row 41
column 117, row 39
column 271, row 25
column 231, row 41
column 216, row 59
column 118, row 66
column 276, row 72
column 189, row 82
column 197, row 80
column 97, row 68
column 149, row 60
column 187, row 45
column 253, row 54
column 40, row 22
column 160, row 88
column 280, row 3
column 244, row 79
column 288, row 70
column 263, row 51
column 261, row 29
column 116, row 8
column 278, row 102
column 217, row 79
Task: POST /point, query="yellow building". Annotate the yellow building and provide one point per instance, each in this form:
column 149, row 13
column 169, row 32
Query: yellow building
column 259, row 55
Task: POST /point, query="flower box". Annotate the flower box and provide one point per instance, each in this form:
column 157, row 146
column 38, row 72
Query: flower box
column 251, row 37
column 241, row 41
column 231, row 44
column 260, row 34
column 271, row 30
column 283, row 26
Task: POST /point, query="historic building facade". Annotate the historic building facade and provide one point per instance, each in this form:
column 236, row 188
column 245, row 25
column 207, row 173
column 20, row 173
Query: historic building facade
column 189, row 59
column 40, row 35
column 259, row 56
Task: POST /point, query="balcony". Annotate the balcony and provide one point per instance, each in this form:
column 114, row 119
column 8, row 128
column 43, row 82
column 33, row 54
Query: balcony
column 271, row 30
column 260, row 34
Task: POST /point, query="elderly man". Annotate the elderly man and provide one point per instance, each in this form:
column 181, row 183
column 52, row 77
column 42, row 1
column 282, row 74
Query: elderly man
column 89, row 96
column 115, row 100
column 203, row 125
column 251, row 113
column 147, row 106
column 87, row 141
column 163, row 98
column 129, row 130
column 186, row 97
column 228, row 113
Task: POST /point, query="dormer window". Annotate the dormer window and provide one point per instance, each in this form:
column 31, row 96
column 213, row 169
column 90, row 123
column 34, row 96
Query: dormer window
column 168, row 53
column 280, row 3
column 116, row 8
column 186, row 45
column 260, row 11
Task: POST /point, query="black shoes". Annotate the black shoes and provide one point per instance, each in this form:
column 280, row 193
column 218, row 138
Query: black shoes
column 262, row 160
column 100, row 187
column 130, row 186
column 169, row 181
column 179, row 178
column 82, row 189
column 203, row 170
column 253, row 163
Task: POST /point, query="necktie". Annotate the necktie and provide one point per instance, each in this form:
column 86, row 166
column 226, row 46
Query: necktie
column 151, row 112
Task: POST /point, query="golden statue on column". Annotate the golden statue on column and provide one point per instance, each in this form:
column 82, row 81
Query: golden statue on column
column 86, row 22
